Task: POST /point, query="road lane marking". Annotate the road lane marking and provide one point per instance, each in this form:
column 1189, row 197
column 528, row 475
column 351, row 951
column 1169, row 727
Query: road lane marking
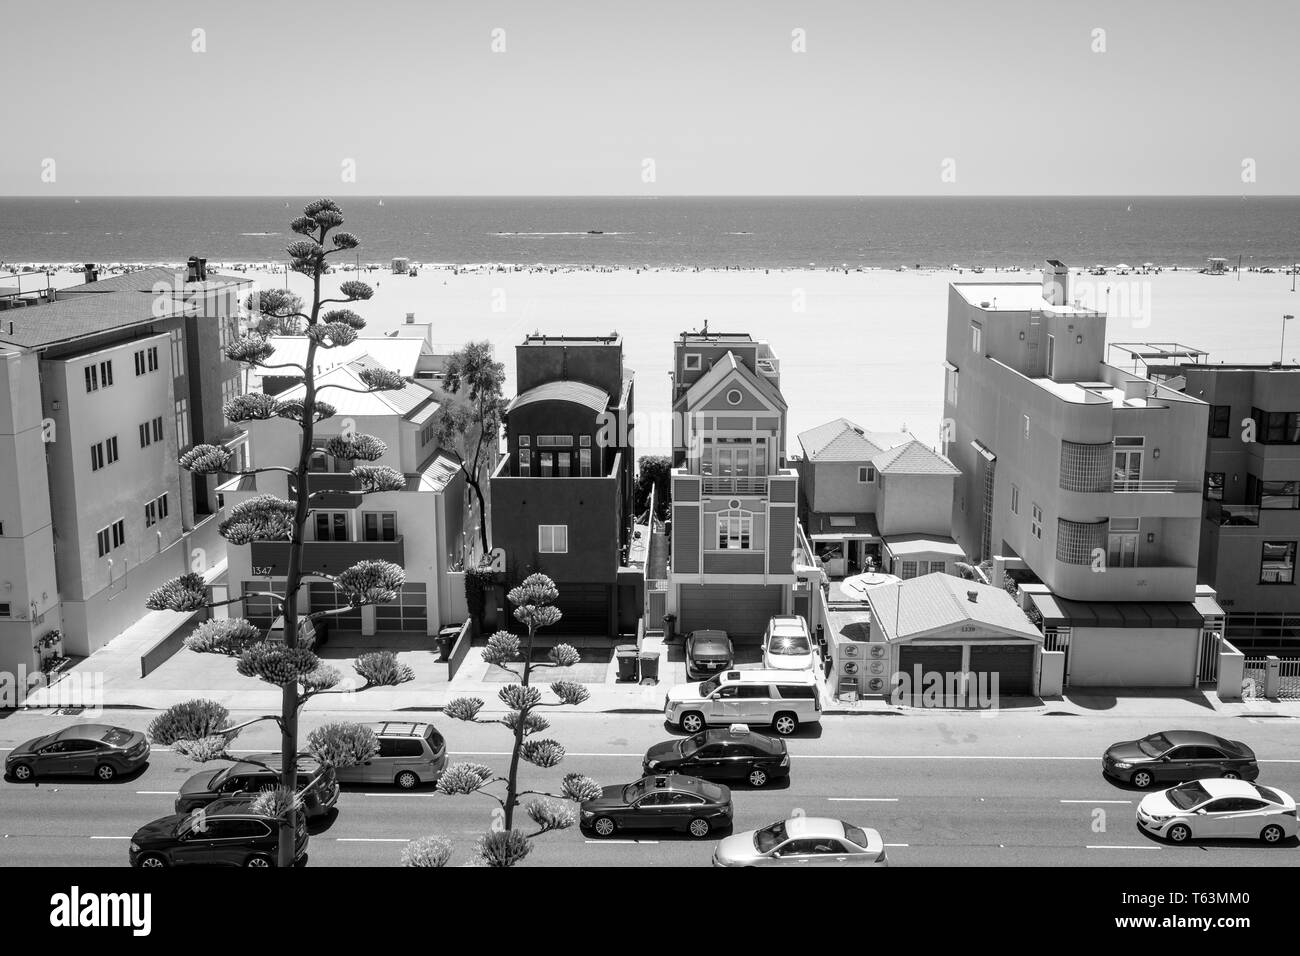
column 1096, row 801
column 1110, row 847
column 863, row 799
column 371, row 840
column 110, row 838
column 612, row 842
column 159, row 793
column 898, row 844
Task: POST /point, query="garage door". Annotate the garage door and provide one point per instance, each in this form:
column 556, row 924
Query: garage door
column 409, row 612
column 936, row 659
column 324, row 596
column 585, row 608
column 259, row 608
column 741, row 610
column 1013, row 663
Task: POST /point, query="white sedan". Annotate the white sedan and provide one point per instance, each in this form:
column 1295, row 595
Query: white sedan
column 803, row 841
column 1219, row 809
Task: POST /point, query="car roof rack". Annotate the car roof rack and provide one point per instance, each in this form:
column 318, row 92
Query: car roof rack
column 401, row 728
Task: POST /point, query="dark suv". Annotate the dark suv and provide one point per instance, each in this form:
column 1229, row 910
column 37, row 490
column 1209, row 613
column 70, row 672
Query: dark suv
column 260, row 772
column 224, row 833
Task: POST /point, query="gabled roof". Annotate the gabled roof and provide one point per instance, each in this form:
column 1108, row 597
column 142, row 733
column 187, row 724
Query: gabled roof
column 435, row 473
column 148, row 280
column 723, row 367
column 841, row 440
column 913, row 458
column 579, row 393
column 414, row 397
column 931, row 602
column 399, row 354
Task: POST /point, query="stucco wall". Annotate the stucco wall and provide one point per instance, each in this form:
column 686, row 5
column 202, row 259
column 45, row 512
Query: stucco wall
column 1133, row 657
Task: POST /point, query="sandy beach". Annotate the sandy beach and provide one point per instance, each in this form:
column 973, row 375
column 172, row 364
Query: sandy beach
column 866, row 345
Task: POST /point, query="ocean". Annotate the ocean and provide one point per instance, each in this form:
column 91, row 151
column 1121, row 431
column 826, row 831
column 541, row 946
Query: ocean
column 793, row 232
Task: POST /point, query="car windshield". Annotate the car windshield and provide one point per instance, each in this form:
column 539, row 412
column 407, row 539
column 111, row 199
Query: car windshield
column 709, row 686
column 1188, row 795
column 116, row 736
column 634, row 790
column 1154, row 745
column 769, row 838
column 222, row 776
column 692, row 744
column 1272, row 796
column 789, row 644
column 856, row 835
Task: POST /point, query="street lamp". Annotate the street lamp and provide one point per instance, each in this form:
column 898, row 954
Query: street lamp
column 1282, row 351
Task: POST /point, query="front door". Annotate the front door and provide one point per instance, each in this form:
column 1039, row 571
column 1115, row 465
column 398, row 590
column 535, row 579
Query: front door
column 1128, row 467
column 709, row 761
column 1122, row 551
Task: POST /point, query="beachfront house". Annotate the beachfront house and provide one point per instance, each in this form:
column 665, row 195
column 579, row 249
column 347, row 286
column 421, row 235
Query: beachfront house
column 562, row 495
column 1081, row 482
column 734, row 500
column 424, row 527
column 877, row 501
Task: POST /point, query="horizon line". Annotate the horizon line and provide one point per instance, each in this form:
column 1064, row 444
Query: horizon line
column 655, row 196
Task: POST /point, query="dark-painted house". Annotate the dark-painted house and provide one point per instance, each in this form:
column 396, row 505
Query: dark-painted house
column 562, row 495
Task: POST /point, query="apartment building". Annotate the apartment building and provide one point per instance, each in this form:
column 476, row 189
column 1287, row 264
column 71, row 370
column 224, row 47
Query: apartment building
column 734, row 500
column 1251, row 489
column 562, row 495
column 422, row 527
column 1080, row 481
column 103, row 385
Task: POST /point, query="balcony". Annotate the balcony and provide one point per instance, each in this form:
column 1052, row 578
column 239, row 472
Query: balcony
column 1156, row 486
column 750, row 486
column 1237, row 515
column 271, row 558
column 337, row 489
column 1145, row 583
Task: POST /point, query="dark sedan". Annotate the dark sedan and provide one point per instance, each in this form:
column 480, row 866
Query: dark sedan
column 1172, row 756
column 727, row 753
column 84, row 750
column 659, row 802
column 224, row 833
column 708, row 652
column 261, row 772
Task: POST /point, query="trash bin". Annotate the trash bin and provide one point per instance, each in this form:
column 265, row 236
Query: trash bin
column 625, row 654
column 649, row 661
column 446, row 638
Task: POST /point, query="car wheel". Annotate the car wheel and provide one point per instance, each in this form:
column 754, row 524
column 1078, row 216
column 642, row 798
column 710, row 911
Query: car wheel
column 407, row 780
column 1271, row 833
column 1179, row 833
column 1142, row 779
column 785, row 724
column 105, row 772
column 22, row 772
column 151, row 861
column 757, row 777
column 603, row 826
column 699, row 828
column 1231, row 775
column 259, row 861
column 691, row 722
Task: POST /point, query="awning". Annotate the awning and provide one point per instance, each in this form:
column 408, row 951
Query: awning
column 1058, row 612
column 904, row 545
column 863, row 528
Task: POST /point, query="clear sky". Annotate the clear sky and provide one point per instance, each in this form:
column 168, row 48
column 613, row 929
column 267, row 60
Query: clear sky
column 1014, row 92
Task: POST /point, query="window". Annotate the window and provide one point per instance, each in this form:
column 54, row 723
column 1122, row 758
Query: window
column 145, row 435
column 525, row 441
column 734, row 530
column 554, row 441
column 332, row 526
column 1279, row 495
column 178, row 352
column 553, row 538
column 951, row 371
column 92, row 378
column 379, row 526
column 427, row 433
column 584, row 441
column 1220, row 420
column 400, row 748
column 1277, row 563
column 139, row 363
column 157, row 428
column 150, row 514
column 692, row 362
column 119, row 532
column 1015, row 500
column 1051, row 355
column 525, row 463
column 106, row 373
column 976, row 337
column 102, row 538
column 866, row 474
column 162, row 506
column 1036, row 521
column 4, row 610
column 563, row 461
column 1128, row 464
column 110, row 448
column 183, row 424
column 1122, row 543
column 1214, row 486
column 584, row 462
column 908, row 570
column 97, row 456
column 547, row 461
column 1276, row 428
column 153, row 358
column 1026, row 426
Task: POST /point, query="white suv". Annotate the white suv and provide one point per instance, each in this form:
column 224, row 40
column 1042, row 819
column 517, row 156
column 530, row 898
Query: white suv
column 781, row 700
column 787, row 645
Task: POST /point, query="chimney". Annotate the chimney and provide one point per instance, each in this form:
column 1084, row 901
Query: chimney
column 973, row 596
column 196, row 270
column 90, row 273
column 1056, row 282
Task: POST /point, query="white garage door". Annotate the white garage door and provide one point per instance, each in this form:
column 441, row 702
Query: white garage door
column 742, row 610
column 1133, row 657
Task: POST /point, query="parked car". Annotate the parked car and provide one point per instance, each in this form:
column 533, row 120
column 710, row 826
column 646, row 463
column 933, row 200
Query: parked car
column 224, row 833
column 736, row 753
column 1174, row 755
column 410, row 754
column 708, row 652
column 787, row 645
column 803, row 841
column 87, row 750
column 659, row 802
column 1218, row 808
column 257, row 773
column 781, row 700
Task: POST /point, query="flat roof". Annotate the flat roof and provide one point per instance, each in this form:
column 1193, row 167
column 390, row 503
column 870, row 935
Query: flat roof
column 612, row 339
column 901, row 545
column 1013, row 297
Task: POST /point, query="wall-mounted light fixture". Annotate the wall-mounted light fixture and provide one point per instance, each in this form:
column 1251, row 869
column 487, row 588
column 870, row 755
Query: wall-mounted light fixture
column 1022, row 336
column 1155, row 453
column 1151, row 538
column 56, row 404
column 1078, row 340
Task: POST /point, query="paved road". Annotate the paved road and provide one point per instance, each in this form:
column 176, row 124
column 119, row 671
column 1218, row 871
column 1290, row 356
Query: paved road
column 943, row 789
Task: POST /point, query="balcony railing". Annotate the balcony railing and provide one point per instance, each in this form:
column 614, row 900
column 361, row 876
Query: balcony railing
column 1155, row 486
column 735, row 486
column 1223, row 514
column 271, row 558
